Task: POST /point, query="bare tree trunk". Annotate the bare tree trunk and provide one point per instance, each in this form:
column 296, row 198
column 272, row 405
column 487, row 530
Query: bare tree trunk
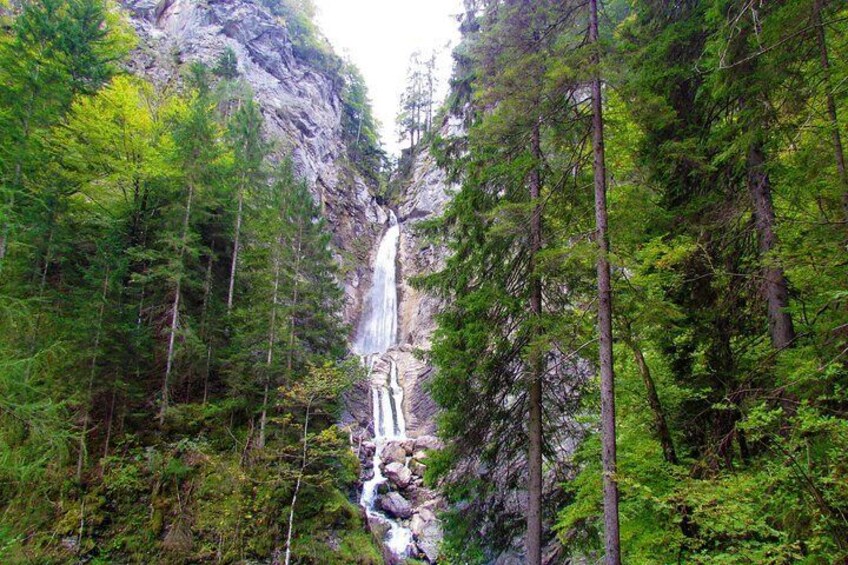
column 108, row 439
column 236, row 238
column 204, row 323
column 534, row 425
column 612, row 541
column 295, row 295
column 263, row 418
column 83, row 450
column 660, row 423
column 175, row 308
column 4, row 230
column 831, row 105
column 777, row 290
column 303, row 462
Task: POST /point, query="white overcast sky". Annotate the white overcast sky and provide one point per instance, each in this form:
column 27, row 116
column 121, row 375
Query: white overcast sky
column 380, row 35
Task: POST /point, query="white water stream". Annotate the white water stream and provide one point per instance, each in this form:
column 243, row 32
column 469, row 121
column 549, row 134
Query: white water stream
column 377, row 333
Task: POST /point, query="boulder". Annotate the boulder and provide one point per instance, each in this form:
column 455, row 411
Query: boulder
column 395, row 505
column 367, row 449
column 427, row 442
column 393, row 452
column 408, row 446
column 427, row 531
column 378, row 526
column 398, row 474
column 417, row 467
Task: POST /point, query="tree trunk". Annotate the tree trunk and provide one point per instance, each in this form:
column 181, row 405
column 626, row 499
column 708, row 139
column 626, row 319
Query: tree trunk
column 109, row 421
column 83, row 450
column 295, row 296
column 4, row 230
column 297, row 484
column 272, row 327
column 236, row 237
column 534, row 426
column 777, row 290
column 204, row 323
column 831, row 106
column 612, row 542
column 660, row 423
column 175, row 308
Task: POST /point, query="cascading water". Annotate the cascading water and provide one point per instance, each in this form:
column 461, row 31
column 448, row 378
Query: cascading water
column 377, row 333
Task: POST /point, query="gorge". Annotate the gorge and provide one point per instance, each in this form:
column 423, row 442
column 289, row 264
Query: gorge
column 592, row 311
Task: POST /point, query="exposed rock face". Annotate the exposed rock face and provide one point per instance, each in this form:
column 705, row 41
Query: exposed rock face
column 303, row 113
column 301, row 104
column 425, row 196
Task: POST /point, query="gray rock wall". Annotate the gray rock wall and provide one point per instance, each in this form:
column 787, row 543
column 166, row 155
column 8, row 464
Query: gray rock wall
column 302, row 107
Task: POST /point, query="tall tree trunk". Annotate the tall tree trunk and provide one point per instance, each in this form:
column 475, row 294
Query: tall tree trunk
column 660, row 423
column 534, row 426
column 776, row 288
column 272, row 333
column 236, row 238
column 303, row 462
column 838, row 152
column 295, row 297
column 612, row 541
column 110, row 420
column 7, row 222
column 83, row 449
column 204, row 323
column 16, row 182
column 175, row 308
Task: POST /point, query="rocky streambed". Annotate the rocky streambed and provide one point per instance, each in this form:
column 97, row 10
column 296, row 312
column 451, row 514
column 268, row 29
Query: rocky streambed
column 402, row 497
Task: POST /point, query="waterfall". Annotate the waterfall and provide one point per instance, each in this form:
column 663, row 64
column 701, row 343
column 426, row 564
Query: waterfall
column 378, row 328
column 377, row 333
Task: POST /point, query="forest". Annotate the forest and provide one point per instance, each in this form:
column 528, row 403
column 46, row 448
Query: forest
column 645, row 312
column 170, row 333
column 641, row 348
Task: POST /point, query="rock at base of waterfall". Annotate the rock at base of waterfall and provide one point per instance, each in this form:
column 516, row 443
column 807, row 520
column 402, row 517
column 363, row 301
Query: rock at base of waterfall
column 398, row 474
column 417, row 467
column 378, row 526
column 366, row 475
column 428, row 442
column 393, row 452
column 367, row 449
column 408, row 446
column 427, row 531
column 395, row 505
column 422, row 497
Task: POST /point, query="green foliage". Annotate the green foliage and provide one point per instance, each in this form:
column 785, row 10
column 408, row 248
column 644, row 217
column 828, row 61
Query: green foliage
column 119, row 205
column 750, row 470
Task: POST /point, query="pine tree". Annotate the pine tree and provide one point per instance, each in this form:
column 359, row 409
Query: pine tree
column 250, row 152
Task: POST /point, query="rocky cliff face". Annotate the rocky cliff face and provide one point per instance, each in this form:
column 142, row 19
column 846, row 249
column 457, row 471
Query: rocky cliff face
column 425, row 196
column 302, row 106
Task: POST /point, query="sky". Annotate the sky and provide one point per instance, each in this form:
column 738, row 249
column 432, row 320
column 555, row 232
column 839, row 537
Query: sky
column 380, row 35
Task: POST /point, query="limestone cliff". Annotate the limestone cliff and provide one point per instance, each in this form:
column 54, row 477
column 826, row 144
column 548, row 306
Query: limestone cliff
column 301, row 103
